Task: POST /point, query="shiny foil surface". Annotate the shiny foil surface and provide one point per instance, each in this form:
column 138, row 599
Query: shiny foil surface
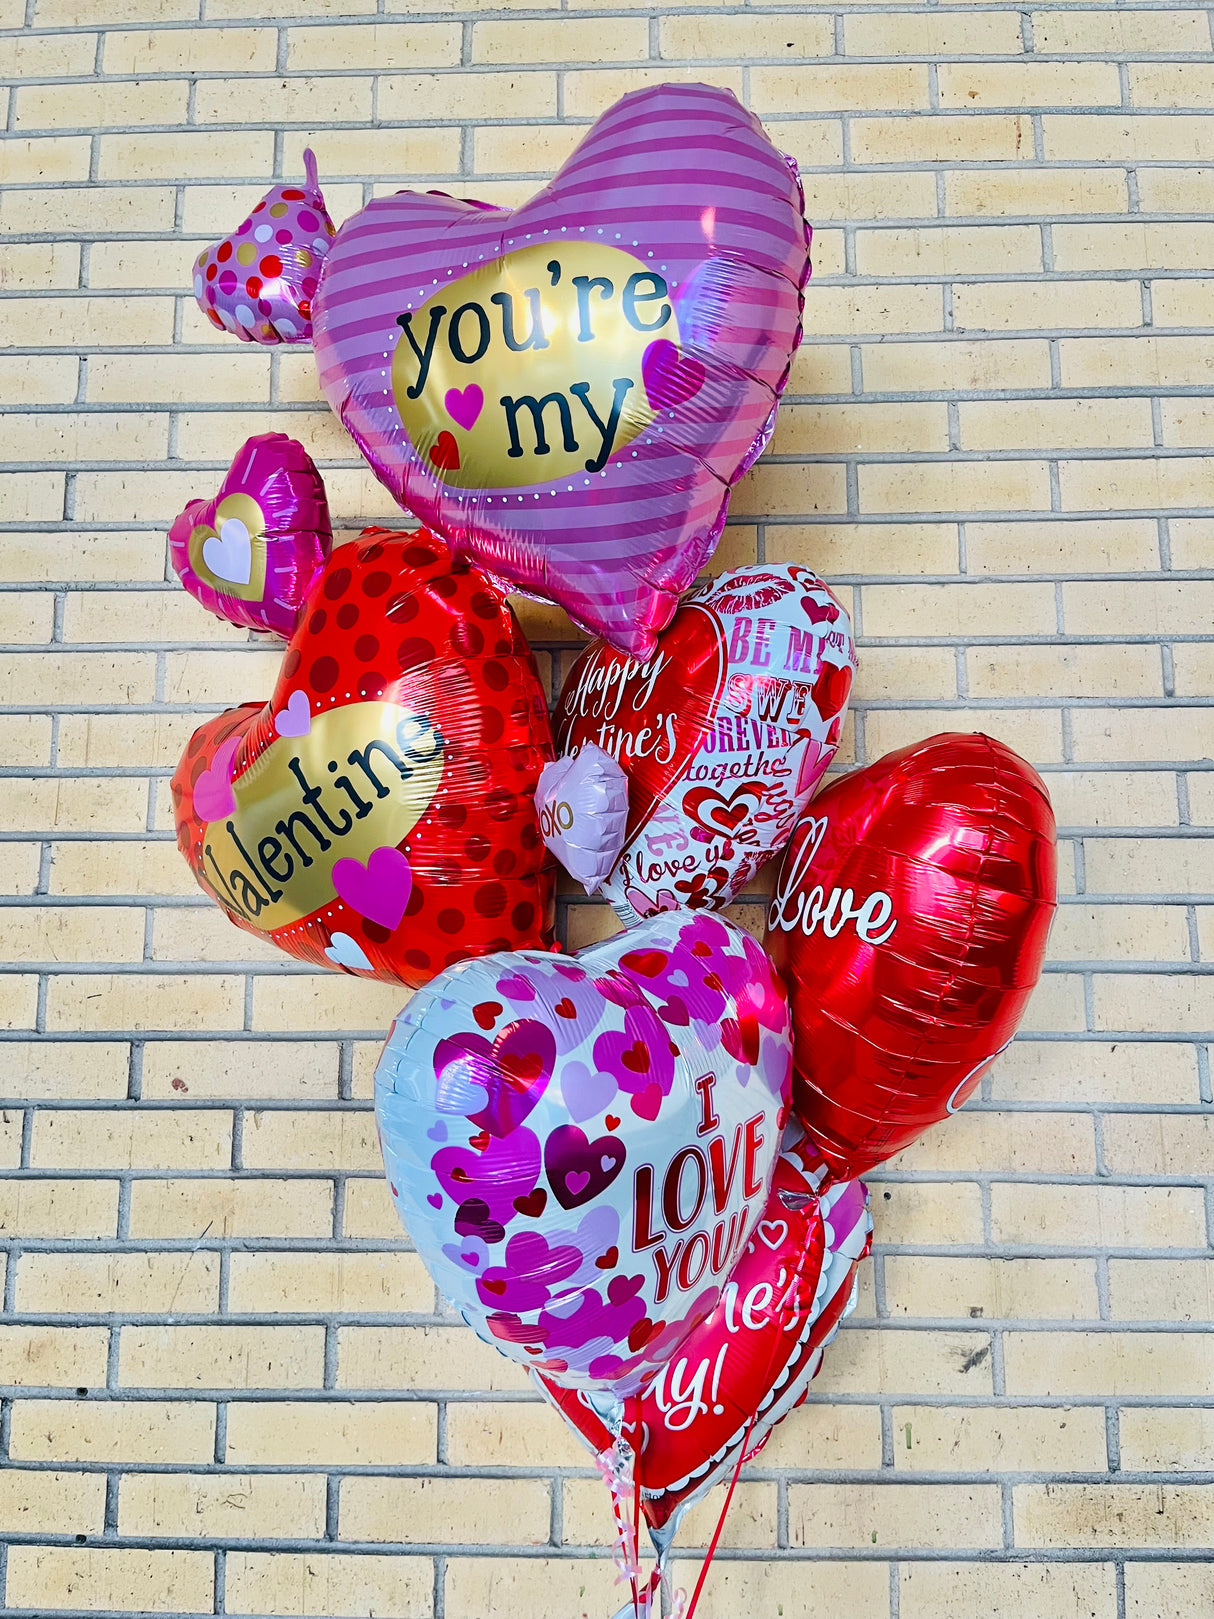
column 377, row 815
column 723, row 734
column 910, row 920
column 568, row 390
column 259, row 282
column 744, row 1368
column 250, row 554
column 580, row 1146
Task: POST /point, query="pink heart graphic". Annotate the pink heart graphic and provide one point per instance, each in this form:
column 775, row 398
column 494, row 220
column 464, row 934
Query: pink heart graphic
column 379, row 890
column 296, row 718
column 213, row 796
column 670, row 378
column 464, row 405
column 647, row 1104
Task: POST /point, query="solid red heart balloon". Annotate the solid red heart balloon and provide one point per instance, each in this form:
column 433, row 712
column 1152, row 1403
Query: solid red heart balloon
column 910, row 919
column 378, row 813
column 723, row 734
column 750, row 1362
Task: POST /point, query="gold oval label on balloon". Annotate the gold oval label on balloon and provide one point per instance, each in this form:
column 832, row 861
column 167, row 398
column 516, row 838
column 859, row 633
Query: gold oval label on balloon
column 359, row 781
column 529, row 368
column 231, row 553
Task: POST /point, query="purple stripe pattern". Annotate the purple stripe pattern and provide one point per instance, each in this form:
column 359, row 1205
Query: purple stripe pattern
column 678, row 184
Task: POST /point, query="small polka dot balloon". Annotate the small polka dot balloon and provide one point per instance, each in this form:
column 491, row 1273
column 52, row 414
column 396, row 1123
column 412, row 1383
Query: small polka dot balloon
column 259, row 282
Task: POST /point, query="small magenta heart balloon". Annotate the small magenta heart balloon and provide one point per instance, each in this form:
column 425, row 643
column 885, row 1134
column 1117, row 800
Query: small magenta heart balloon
column 910, row 916
column 569, row 390
column 251, row 553
column 605, row 1149
column 723, row 734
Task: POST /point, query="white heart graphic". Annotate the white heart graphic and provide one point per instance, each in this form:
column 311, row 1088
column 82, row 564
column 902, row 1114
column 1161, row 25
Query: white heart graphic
column 343, row 951
column 229, row 554
column 773, row 1233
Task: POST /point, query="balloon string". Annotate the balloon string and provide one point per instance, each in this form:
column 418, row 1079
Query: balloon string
column 716, row 1534
column 637, row 1445
column 624, row 1553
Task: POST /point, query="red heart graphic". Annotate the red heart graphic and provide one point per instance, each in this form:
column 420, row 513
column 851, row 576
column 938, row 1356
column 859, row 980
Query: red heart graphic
column 609, row 1260
column 820, row 612
column 831, row 688
column 522, row 1069
column 612, row 1121
column 649, row 963
column 910, row 915
column 565, row 1008
column 479, row 1141
column 534, row 1204
column 640, row 1334
column 493, row 1286
column 487, row 1013
column 444, row 452
column 740, row 1037
column 636, row 1058
column 716, row 813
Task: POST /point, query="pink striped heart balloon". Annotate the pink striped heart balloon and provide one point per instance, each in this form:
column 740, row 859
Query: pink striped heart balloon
column 568, row 391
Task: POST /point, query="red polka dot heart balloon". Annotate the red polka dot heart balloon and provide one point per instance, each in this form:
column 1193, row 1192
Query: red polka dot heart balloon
column 377, row 814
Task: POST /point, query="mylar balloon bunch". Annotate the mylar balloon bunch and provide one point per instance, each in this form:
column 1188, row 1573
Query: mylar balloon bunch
column 634, row 1169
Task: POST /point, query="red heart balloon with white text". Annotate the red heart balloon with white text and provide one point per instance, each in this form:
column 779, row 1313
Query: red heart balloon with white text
column 740, row 1371
column 910, row 919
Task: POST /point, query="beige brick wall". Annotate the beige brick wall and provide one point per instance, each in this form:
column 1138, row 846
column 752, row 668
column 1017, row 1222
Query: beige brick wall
column 226, row 1385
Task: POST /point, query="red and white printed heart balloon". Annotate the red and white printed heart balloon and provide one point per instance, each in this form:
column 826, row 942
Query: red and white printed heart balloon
column 723, row 734
column 910, row 920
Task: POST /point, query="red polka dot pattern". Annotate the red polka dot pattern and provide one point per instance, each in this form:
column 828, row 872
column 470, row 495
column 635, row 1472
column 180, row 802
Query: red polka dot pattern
column 482, row 880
